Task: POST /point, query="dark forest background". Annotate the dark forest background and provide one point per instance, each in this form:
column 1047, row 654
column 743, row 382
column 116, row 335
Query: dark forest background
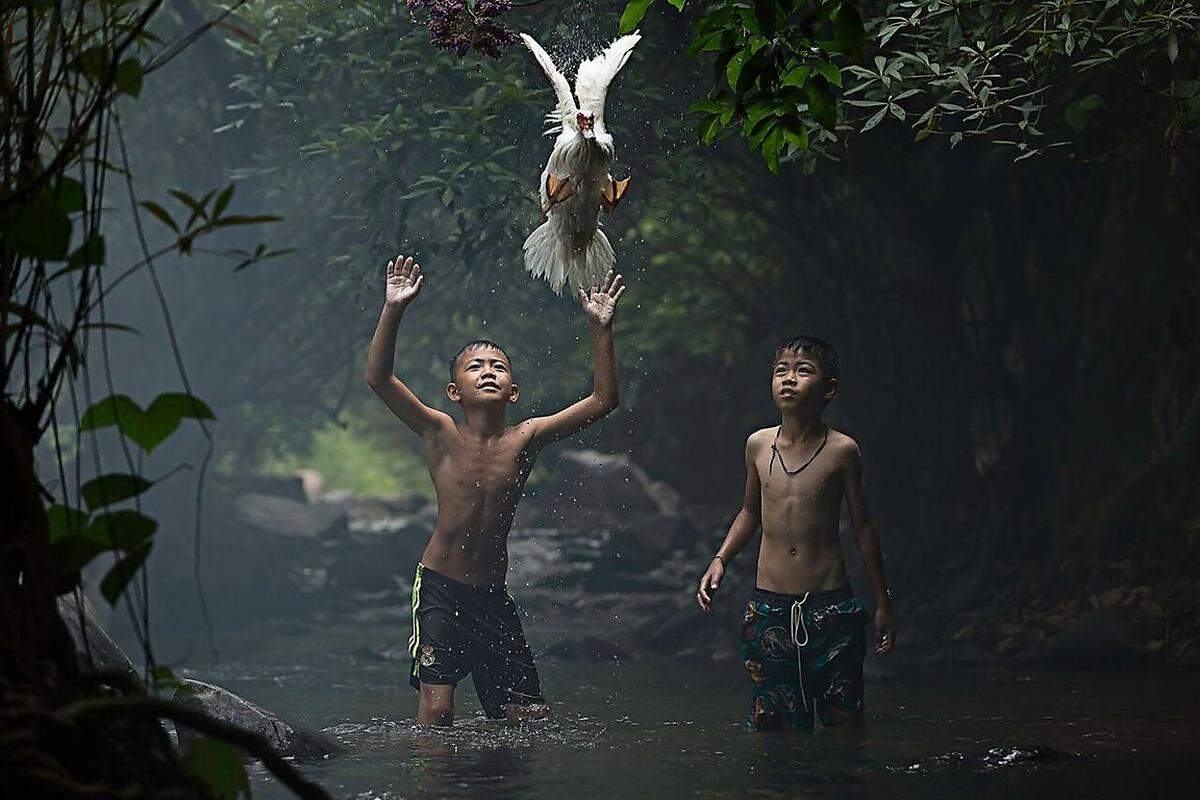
column 1018, row 339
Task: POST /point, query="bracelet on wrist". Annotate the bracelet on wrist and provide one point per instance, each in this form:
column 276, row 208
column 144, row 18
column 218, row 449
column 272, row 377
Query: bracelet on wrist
column 718, row 558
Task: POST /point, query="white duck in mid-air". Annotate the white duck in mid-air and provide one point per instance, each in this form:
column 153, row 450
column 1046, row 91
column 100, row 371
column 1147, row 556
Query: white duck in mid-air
column 576, row 183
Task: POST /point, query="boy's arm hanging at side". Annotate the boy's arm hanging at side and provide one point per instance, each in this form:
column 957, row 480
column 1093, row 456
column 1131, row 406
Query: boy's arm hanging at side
column 867, row 539
column 404, row 281
column 741, row 531
column 598, row 305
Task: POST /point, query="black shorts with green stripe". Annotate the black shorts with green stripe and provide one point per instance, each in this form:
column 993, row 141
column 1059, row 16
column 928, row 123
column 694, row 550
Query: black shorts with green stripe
column 460, row 629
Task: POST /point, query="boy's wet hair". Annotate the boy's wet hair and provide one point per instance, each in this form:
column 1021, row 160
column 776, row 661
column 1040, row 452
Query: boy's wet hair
column 819, row 350
column 478, row 344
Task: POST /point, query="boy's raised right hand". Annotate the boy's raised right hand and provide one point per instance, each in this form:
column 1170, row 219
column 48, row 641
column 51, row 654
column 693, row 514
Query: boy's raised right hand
column 404, row 281
column 709, row 583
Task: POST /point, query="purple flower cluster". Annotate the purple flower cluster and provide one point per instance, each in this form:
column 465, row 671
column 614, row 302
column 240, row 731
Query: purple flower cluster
column 460, row 25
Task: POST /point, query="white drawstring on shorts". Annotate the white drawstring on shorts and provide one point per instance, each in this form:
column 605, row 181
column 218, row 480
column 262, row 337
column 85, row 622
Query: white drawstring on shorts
column 798, row 626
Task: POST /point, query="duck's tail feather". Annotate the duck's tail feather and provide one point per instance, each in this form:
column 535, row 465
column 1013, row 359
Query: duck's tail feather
column 547, row 256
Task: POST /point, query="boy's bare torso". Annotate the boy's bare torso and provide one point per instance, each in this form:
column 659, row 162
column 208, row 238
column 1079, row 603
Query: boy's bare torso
column 801, row 549
column 478, row 483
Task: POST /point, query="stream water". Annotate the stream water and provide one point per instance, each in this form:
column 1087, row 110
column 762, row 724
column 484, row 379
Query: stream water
column 666, row 728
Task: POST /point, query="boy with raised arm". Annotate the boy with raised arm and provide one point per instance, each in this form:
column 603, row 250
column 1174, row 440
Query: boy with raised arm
column 802, row 632
column 463, row 619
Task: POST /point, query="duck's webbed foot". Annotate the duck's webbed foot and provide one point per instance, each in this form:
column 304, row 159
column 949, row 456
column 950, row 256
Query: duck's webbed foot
column 613, row 192
column 557, row 190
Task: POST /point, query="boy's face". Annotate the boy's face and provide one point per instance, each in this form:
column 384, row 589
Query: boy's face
column 482, row 376
column 797, row 383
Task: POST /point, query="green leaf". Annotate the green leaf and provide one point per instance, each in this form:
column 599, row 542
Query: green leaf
column 708, row 107
column 112, row 488
column 771, row 147
column 875, row 119
column 848, row 28
column 765, row 128
column 830, row 71
column 713, row 40
column 633, row 14
column 795, row 133
column 223, row 200
column 112, row 586
column 1078, row 113
column 64, row 520
column 219, row 766
column 149, row 428
column 161, row 213
column 89, row 254
column 796, row 76
column 163, row 416
column 245, row 219
column 821, row 103
column 708, row 129
column 733, row 70
column 68, row 195
column 94, row 62
column 128, row 79
column 679, row 4
column 115, row 409
column 123, row 530
column 197, row 206
column 182, row 405
column 39, row 230
column 74, row 552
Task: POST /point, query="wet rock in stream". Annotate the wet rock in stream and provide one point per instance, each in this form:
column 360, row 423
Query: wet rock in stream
column 224, row 705
column 993, row 758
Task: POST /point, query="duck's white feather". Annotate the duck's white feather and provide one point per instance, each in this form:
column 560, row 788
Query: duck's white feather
column 569, row 246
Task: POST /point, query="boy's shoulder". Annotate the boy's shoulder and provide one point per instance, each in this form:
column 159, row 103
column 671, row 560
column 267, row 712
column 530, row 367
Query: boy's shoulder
column 761, row 438
column 843, row 447
column 841, row 441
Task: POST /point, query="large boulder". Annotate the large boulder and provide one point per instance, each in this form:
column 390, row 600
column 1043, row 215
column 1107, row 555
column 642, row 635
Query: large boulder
column 289, row 741
column 283, row 516
column 1106, row 636
column 292, row 487
column 590, row 491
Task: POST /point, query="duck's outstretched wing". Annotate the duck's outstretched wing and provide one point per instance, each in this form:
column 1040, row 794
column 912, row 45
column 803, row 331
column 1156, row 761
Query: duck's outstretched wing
column 595, row 74
column 565, row 110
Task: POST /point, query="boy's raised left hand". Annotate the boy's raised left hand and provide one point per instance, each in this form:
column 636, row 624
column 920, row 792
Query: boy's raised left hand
column 404, row 280
column 600, row 303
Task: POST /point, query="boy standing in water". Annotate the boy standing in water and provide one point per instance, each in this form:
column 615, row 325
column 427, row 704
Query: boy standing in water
column 464, row 620
column 802, row 633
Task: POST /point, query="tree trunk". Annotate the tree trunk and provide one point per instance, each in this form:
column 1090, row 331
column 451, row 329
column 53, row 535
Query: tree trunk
column 31, row 634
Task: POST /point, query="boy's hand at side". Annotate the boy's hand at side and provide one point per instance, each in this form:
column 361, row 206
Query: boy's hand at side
column 600, row 303
column 709, row 584
column 404, row 281
column 885, row 631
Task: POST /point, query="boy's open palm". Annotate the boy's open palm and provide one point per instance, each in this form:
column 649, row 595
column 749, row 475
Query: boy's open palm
column 600, row 303
column 404, row 281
